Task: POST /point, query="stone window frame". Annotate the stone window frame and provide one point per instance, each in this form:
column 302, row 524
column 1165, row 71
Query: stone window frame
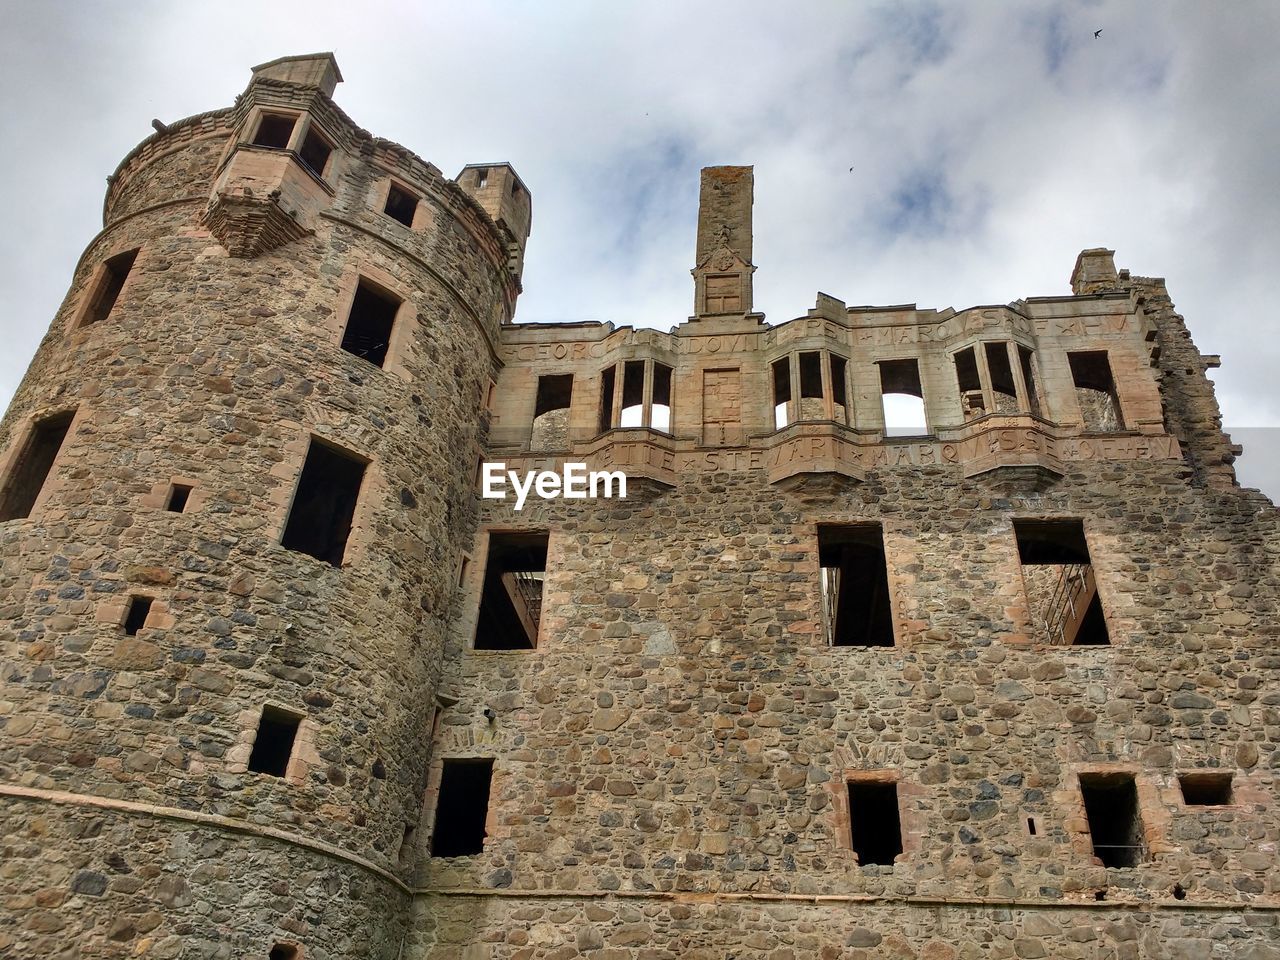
column 912, row 824
column 21, row 436
column 76, row 327
column 288, row 471
column 1237, row 779
column 979, row 347
column 472, row 587
column 792, row 356
column 1154, row 814
column 431, row 795
column 399, row 347
column 157, row 498
column 302, row 123
column 1025, row 634
column 113, row 611
column 898, row 585
column 303, row 758
column 615, row 408
column 384, row 191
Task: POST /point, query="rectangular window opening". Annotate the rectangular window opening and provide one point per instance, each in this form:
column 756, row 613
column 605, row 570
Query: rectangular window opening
column 874, row 824
column 1096, row 391
column 511, row 596
column 1205, row 789
column 1062, row 590
column 660, row 418
column 462, row 808
column 30, row 468
column 632, row 414
column 811, row 405
column 114, row 274
column 369, row 324
column 551, row 412
column 839, row 389
column 482, row 177
column 1001, row 371
column 401, row 205
column 1111, row 807
column 315, row 151
column 324, row 503
column 274, row 130
column 179, row 495
column 781, row 392
column 273, row 744
column 607, row 379
column 902, row 398
column 135, row 617
column 854, row 585
column 972, row 400
column 1029, row 378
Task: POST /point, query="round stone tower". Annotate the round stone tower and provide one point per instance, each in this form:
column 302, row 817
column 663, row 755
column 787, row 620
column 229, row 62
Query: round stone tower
column 235, row 485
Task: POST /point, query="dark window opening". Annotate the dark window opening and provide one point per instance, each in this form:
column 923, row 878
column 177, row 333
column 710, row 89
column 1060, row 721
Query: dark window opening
column 811, row 405
column 902, row 398
column 1111, row 806
column 482, row 177
column 660, row 411
column 511, row 597
column 274, row 131
column 1029, row 378
column 114, row 273
column 462, row 808
column 607, row 378
column 855, row 586
column 284, row 951
column 632, row 394
column 315, row 152
column 324, row 503
column 839, row 388
column 30, row 469
column 135, row 617
column 1205, row 789
column 551, row 413
column 1031, row 826
column 1062, row 590
column 373, row 314
column 273, row 745
column 1002, row 384
column 1096, row 391
column 874, row 824
column 781, row 392
column 179, row 495
column 972, row 400
column 401, row 205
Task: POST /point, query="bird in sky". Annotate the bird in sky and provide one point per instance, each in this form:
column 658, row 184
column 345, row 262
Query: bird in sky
column 1097, row 34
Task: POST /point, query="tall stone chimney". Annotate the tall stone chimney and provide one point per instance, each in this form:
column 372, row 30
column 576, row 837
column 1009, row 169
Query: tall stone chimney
column 723, row 269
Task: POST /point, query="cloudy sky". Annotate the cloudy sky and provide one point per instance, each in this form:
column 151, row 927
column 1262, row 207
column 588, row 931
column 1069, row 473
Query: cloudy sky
column 990, row 142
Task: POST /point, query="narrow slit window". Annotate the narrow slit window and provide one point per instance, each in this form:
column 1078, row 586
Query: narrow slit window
column 401, row 205
column 660, row 418
column 903, row 399
column 607, row 378
column 324, row 503
column 551, row 413
column 839, row 388
column 1115, row 826
column 1029, row 378
column 273, row 744
column 781, row 392
column 315, row 151
column 1002, row 384
column 1058, row 575
column 274, row 131
column 854, row 585
column 135, row 617
column 179, row 497
column 114, row 274
column 30, row 468
column 482, row 177
column 874, row 823
column 1096, row 391
column 972, row 400
column 811, row 405
column 511, row 595
column 369, row 324
column 462, row 808
column 1205, row 789
column 632, row 394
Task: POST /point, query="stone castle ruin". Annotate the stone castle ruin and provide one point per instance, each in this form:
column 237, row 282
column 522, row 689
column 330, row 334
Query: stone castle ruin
column 995, row 679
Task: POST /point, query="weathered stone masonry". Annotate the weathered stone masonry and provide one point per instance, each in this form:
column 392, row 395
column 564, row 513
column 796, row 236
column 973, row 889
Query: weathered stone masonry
column 671, row 758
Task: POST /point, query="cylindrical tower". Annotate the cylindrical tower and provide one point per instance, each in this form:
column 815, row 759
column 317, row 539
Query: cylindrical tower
column 234, row 489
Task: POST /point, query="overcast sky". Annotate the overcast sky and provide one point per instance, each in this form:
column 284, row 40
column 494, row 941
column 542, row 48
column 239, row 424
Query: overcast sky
column 990, row 143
